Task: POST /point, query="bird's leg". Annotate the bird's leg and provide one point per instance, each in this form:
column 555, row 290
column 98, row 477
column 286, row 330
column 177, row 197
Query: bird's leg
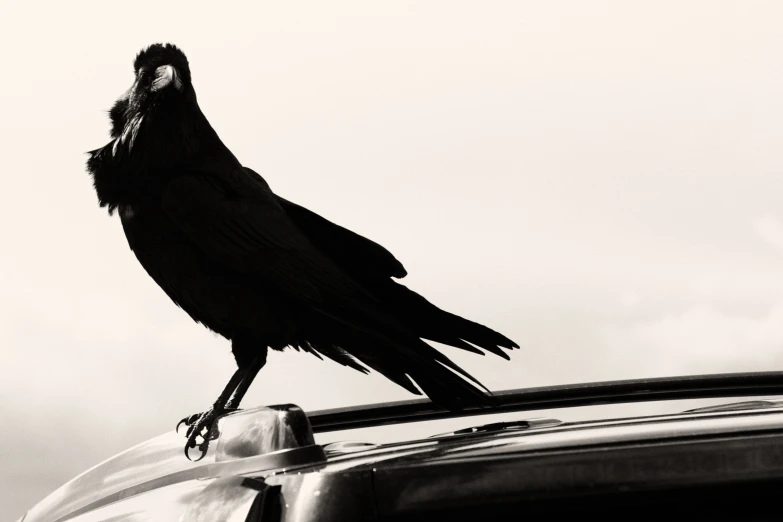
column 201, row 424
column 247, row 380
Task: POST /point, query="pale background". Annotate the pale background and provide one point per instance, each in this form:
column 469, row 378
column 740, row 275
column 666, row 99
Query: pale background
column 601, row 181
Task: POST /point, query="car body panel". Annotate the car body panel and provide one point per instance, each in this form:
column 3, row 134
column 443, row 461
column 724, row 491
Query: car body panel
column 154, row 481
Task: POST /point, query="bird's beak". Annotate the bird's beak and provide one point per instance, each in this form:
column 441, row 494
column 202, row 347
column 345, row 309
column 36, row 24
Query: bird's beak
column 166, row 75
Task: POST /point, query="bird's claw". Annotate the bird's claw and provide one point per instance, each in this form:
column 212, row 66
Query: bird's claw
column 200, row 425
column 204, row 426
column 188, row 421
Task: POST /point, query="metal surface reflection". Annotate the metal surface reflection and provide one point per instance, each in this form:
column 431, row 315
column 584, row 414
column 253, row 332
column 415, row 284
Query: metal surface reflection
column 267, row 468
column 155, row 458
column 260, row 431
column 265, row 438
column 227, row 499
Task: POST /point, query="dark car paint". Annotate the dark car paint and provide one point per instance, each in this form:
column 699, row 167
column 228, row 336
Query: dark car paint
column 154, row 481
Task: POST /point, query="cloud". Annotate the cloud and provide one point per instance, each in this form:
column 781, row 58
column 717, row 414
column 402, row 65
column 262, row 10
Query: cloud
column 701, row 339
column 770, row 230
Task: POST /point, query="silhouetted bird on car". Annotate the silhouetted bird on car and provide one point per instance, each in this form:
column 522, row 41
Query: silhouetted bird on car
column 257, row 269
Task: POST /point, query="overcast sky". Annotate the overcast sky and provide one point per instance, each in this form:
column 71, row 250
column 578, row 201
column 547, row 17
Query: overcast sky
column 600, row 181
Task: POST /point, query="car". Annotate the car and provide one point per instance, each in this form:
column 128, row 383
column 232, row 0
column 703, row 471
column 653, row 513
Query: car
column 267, row 464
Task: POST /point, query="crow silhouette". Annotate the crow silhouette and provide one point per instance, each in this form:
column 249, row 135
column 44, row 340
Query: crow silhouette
column 258, row 269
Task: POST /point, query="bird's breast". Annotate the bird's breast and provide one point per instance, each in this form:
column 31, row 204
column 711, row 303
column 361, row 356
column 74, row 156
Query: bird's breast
column 127, row 211
column 210, row 293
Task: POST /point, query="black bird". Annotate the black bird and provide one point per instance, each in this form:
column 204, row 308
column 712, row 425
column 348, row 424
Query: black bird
column 256, row 268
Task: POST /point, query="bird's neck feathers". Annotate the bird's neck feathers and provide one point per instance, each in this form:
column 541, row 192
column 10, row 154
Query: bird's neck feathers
column 149, row 147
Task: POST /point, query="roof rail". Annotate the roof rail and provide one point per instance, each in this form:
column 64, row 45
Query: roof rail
column 550, row 397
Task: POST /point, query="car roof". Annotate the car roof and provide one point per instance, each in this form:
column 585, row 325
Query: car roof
column 159, row 462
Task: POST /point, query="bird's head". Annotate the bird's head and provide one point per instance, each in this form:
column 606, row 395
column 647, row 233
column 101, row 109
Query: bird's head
column 161, row 81
column 155, row 125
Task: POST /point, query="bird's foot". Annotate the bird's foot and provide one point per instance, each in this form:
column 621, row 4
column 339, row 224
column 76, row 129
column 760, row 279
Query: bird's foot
column 202, row 426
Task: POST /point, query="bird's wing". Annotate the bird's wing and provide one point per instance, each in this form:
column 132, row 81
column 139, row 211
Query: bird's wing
column 361, row 257
column 239, row 224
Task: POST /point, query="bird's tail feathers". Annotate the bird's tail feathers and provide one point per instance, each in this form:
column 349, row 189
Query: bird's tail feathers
column 430, row 322
column 405, row 359
column 445, row 383
column 449, row 389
